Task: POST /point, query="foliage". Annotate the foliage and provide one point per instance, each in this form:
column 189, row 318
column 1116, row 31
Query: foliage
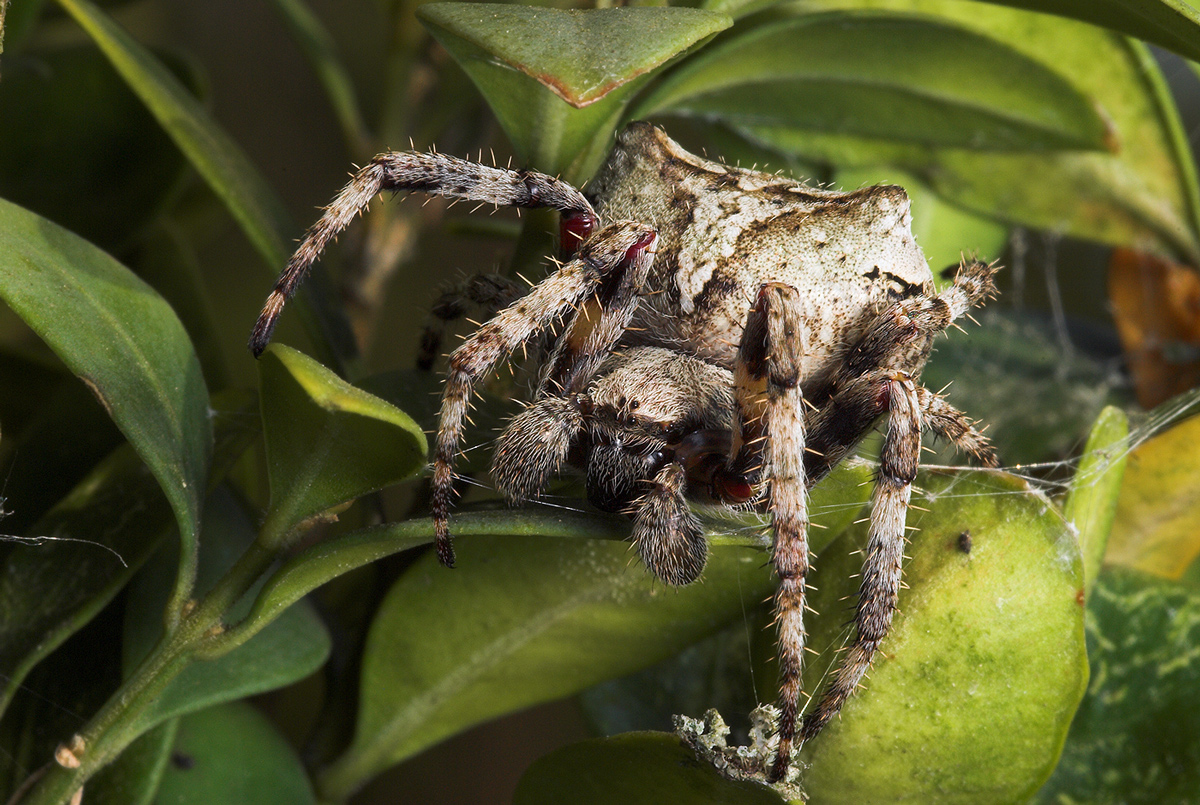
column 178, row 543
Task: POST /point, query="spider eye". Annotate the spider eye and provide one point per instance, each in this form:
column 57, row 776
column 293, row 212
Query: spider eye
column 634, row 405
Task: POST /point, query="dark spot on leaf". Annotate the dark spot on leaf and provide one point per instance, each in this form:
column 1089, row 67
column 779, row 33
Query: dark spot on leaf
column 182, row 761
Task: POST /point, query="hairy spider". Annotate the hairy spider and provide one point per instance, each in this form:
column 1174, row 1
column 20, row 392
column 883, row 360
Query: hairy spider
column 727, row 336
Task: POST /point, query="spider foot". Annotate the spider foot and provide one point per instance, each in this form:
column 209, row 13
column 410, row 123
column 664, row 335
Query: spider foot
column 708, row 738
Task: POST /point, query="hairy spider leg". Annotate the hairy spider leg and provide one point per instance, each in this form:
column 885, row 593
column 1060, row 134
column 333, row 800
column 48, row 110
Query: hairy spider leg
column 860, row 399
column 431, row 173
column 616, row 246
column 880, row 588
column 668, row 536
column 770, row 433
column 944, row 420
column 851, row 402
column 536, row 442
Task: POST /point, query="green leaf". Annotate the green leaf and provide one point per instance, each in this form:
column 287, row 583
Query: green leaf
column 559, row 80
column 1157, row 525
column 105, row 186
column 327, row 441
column 146, row 375
column 232, row 753
column 904, row 84
column 1141, row 193
column 86, row 548
column 292, row 646
column 984, row 666
column 525, row 619
column 135, row 776
column 640, row 767
column 1091, row 505
column 94, row 540
column 226, row 169
column 1136, row 738
column 1173, row 24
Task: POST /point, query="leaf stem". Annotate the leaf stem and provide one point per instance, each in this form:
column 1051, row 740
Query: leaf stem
column 116, row 724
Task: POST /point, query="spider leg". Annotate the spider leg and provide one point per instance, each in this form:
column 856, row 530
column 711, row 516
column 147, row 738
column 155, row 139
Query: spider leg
column 770, row 432
column 488, row 292
column 855, row 395
column 432, row 173
column 667, row 535
column 953, row 425
column 885, row 549
column 534, row 446
column 909, row 325
column 623, row 246
column 536, row 443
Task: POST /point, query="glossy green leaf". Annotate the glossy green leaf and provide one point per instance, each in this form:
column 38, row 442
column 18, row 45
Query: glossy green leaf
column 1173, row 24
column 895, row 77
column 1157, row 525
column 558, row 80
column 256, row 208
column 92, row 542
column 327, row 441
column 229, row 754
column 146, row 375
column 105, row 186
column 1142, row 192
column 984, row 665
column 526, row 619
column 1136, row 737
column 639, row 767
column 292, row 646
column 135, row 776
column 1091, row 505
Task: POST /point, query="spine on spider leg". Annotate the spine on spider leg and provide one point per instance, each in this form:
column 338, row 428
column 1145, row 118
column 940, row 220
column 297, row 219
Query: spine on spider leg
column 880, row 586
column 618, row 245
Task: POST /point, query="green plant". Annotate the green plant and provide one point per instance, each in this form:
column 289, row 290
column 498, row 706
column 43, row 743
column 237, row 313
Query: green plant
column 168, row 537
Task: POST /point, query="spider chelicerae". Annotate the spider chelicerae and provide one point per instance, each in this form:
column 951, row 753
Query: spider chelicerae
column 726, row 336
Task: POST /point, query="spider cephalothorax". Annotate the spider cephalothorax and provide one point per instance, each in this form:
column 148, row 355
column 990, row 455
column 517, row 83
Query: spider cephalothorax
column 728, row 336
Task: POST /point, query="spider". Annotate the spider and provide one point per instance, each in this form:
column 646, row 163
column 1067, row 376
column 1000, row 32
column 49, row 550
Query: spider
column 712, row 334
